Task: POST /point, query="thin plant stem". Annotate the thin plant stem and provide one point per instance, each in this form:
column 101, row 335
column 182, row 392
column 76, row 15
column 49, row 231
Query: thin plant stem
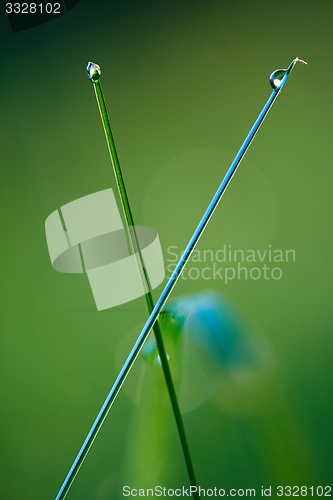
column 170, row 285
column 144, row 278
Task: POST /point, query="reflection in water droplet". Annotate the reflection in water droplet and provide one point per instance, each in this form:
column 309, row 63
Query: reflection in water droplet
column 276, row 78
column 94, row 71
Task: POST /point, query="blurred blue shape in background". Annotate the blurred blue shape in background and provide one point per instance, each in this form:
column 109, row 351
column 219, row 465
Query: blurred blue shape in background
column 211, row 350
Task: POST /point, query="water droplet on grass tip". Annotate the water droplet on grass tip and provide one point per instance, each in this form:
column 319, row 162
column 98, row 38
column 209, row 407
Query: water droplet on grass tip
column 94, row 71
column 276, row 78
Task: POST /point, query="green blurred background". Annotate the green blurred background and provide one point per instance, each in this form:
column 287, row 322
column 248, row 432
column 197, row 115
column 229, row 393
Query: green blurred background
column 184, row 82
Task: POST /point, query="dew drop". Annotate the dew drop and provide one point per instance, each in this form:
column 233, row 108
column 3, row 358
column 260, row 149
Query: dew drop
column 94, row 71
column 276, row 78
column 150, row 353
column 158, row 359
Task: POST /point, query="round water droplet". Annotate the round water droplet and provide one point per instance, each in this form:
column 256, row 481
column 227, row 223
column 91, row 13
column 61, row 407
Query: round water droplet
column 158, row 359
column 276, row 78
column 171, row 325
column 94, row 71
column 149, row 351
